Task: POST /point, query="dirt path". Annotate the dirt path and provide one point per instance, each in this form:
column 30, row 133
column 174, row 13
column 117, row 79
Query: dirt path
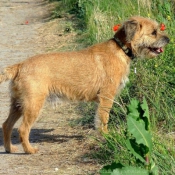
column 63, row 149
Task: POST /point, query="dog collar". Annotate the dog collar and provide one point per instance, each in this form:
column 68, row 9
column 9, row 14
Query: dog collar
column 127, row 51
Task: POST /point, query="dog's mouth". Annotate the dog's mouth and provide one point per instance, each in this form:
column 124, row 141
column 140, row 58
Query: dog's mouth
column 157, row 50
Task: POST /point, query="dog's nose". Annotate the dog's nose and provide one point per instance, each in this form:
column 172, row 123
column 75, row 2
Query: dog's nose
column 166, row 39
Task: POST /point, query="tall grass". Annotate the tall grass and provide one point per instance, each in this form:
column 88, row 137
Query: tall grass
column 155, row 78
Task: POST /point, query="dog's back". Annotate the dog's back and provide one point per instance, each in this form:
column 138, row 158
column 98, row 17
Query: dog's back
column 75, row 75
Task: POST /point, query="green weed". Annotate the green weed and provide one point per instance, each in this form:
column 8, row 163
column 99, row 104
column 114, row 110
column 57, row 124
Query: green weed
column 138, row 141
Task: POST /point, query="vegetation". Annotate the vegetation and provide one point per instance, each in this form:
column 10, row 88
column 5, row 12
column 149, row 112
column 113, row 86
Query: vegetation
column 138, row 141
column 154, row 78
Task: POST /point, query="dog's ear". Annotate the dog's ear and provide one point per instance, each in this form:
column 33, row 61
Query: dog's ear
column 130, row 27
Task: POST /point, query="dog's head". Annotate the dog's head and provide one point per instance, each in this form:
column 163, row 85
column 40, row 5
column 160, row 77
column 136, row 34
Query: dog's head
column 143, row 36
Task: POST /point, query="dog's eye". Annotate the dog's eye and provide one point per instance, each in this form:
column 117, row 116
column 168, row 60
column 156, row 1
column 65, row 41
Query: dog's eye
column 154, row 33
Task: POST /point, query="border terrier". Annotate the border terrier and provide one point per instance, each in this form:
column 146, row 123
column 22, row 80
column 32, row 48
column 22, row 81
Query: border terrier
column 96, row 73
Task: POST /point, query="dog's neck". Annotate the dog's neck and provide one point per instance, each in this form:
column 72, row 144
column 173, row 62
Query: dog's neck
column 123, row 46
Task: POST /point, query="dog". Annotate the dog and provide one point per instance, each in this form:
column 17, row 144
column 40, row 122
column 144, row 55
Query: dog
column 96, row 73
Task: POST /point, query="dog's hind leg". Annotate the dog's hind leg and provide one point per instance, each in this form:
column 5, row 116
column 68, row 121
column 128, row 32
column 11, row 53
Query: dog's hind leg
column 31, row 111
column 14, row 115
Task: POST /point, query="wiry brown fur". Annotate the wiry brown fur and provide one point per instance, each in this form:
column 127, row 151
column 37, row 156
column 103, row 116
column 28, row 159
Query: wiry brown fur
column 93, row 74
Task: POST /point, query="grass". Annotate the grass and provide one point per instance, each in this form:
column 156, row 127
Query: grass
column 154, row 80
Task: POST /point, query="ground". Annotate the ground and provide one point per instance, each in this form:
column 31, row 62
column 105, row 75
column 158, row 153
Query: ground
column 63, row 149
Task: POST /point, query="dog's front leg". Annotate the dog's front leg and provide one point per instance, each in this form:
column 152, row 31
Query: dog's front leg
column 102, row 115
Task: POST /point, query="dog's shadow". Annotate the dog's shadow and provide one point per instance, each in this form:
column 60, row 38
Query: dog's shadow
column 41, row 135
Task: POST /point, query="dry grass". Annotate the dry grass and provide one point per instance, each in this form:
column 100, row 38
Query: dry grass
column 53, row 36
column 144, row 4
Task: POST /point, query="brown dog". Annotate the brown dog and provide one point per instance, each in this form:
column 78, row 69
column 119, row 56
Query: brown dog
column 93, row 74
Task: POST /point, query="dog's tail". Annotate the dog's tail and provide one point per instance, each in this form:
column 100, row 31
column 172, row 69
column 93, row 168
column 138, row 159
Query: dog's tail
column 9, row 72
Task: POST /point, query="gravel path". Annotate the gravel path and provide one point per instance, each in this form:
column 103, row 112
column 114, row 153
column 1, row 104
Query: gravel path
column 63, row 150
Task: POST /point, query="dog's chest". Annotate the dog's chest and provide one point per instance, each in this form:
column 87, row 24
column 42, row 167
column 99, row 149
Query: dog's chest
column 124, row 79
column 123, row 82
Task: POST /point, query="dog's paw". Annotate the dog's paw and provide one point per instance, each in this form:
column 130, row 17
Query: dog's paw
column 12, row 149
column 31, row 150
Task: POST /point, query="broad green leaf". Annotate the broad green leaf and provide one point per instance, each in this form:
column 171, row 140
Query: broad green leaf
column 144, row 106
column 130, row 171
column 137, row 129
column 133, row 105
column 135, row 114
column 107, row 170
column 146, row 118
column 137, row 155
column 133, row 109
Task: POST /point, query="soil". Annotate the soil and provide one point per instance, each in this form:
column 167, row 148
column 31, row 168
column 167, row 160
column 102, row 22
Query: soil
column 65, row 150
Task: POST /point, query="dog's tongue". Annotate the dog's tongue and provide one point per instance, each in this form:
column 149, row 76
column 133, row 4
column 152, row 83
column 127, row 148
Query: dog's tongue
column 159, row 50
